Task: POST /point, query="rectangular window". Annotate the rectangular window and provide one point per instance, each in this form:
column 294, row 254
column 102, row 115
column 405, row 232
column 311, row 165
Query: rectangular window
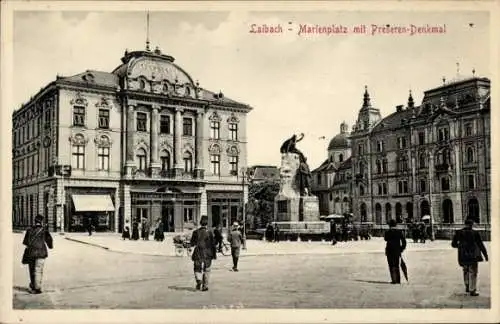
column 405, row 187
column 165, row 162
column 47, row 118
column 423, row 186
column 36, row 171
column 78, row 161
column 468, row 129
column 32, row 165
column 142, row 119
column 141, row 161
column 421, row 138
column 78, row 116
column 28, row 131
column 402, row 142
column 164, row 124
column 187, row 127
column 233, row 161
column 384, row 188
column 103, row 158
column 104, row 118
column 319, row 178
column 380, row 189
column 188, row 215
column 233, row 132
column 188, row 162
column 215, row 162
column 445, row 184
column 471, row 184
column 380, row 146
column 214, row 129
column 443, row 134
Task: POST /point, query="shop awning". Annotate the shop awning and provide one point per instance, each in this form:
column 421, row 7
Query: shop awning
column 95, row 203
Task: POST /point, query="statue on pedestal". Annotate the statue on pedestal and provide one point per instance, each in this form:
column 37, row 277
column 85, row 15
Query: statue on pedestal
column 303, row 176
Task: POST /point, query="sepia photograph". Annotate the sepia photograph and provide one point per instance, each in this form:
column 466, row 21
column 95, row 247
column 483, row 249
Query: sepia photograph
column 211, row 156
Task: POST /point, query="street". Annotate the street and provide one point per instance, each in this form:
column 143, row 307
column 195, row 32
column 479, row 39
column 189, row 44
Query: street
column 81, row 276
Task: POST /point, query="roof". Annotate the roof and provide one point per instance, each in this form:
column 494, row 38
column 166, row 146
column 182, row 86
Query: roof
column 266, row 172
column 394, row 120
column 91, row 77
column 327, row 165
column 346, row 165
column 339, row 141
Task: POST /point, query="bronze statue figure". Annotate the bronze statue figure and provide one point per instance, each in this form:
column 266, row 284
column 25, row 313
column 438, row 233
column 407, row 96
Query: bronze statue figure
column 303, row 173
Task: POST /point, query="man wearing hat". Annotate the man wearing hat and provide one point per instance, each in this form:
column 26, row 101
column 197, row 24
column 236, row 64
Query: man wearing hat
column 204, row 252
column 396, row 244
column 470, row 251
column 235, row 238
column 37, row 239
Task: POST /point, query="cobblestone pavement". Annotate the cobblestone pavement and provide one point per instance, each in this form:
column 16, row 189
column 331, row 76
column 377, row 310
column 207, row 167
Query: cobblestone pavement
column 82, row 276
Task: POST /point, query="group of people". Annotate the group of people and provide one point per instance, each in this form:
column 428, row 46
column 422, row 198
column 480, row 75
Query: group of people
column 471, row 250
column 272, row 233
column 206, row 243
column 145, row 229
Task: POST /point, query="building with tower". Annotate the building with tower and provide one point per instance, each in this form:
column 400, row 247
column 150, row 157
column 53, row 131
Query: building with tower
column 428, row 159
column 143, row 143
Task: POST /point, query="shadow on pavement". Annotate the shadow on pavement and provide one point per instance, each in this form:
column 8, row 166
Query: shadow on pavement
column 22, row 289
column 182, row 288
column 373, row 281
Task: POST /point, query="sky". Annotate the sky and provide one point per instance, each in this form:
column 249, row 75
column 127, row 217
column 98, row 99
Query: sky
column 307, row 84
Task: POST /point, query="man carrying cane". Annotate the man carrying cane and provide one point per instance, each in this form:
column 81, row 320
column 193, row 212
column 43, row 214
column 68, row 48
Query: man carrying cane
column 204, row 252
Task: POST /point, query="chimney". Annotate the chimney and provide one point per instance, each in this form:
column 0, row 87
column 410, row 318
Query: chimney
column 399, row 108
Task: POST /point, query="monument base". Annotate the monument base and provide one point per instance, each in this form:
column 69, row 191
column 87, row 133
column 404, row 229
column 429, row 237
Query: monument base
column 296, row 209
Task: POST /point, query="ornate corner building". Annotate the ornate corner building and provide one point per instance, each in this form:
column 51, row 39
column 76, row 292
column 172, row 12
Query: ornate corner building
column 433, row 159
column 142, row 142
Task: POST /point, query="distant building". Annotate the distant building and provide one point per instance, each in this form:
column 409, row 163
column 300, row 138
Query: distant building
column 144, row 142
column 432, row 159
column 263, row 173
column 331, row 180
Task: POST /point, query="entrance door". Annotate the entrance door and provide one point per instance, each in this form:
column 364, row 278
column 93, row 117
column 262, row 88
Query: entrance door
column 216, row 215
column 167, row 217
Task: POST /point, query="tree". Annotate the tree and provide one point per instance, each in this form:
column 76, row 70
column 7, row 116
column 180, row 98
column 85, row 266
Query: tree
column 260, row 206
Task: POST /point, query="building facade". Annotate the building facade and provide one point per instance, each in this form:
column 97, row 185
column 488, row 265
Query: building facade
column 331, row 180
column 433, row 159
column 144, row 142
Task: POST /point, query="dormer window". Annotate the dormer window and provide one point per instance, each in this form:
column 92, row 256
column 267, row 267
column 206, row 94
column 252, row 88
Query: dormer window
column 142, row 84
column 165, row 87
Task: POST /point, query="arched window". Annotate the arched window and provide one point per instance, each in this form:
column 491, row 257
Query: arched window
column 445, row 183
column 470, row 155
column 141, row 159
column 399, row 212
column 379, row 166
column 142, row 84
column 341, row 157
column 473, row 210
column 165, row 87
column 447, row 211
column 409, row 211
column 363, row 212
column 361, row 167
column 378, row 214
column 165, row 160
column 188, row 91
column 188, row 162
column 388, row 212
column 384, row 166
column 425, row 208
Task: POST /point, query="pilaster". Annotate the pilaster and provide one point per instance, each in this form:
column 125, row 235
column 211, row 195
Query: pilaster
column 199, row 167
column 178, row 142
column 155, row 164
column 130, row 163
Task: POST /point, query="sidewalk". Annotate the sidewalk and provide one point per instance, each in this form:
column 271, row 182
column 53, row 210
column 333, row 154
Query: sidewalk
column 113, row 242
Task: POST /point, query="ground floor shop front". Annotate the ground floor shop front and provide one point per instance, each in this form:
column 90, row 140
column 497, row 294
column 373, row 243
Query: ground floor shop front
column 80, row 205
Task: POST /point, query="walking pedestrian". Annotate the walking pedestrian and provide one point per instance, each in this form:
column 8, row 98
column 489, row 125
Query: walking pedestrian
column 333, row 232
column 235, row 238
column 470, row 251
column 135, row 231
column 396, row 244
column 37, row 239
column 218, row 237
column 204, row 252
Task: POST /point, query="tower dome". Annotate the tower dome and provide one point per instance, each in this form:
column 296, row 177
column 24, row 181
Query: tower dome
column 340, row 141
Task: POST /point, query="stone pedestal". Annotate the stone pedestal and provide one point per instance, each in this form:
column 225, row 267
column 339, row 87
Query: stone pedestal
column 289, row 205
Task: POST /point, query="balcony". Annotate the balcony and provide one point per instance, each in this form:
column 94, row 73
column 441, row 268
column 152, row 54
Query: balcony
column 171, row 174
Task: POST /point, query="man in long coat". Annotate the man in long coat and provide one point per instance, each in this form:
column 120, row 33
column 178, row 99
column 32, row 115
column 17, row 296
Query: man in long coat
column 396, row 244
column 203, row 241
column 470, row 251
column 37, row 239
column 235, row 238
